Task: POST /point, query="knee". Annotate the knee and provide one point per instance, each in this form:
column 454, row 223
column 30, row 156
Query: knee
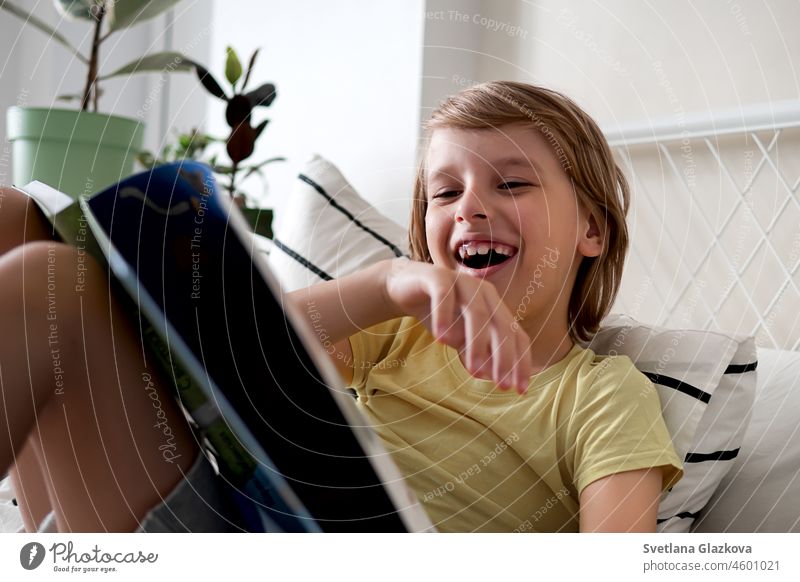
column 20, row 220
column 49, row 265
column 51, row 288
column 39, row 254
column 13, row 201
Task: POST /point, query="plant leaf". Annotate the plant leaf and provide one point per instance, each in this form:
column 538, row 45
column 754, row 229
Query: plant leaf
column 241, row 143
column 263, row 96
column 77, row 9
column 125, row 13
column 233, row 67
column 250, row 66
column 165, row 62
column 260, row 127
column 209, row 82
column 41, row 25
column 238, row 111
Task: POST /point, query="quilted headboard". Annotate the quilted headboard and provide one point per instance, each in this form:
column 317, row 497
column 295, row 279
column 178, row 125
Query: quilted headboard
column 715, row 222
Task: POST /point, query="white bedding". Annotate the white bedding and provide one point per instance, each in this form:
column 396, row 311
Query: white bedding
column 10, row 519
column 762, row 491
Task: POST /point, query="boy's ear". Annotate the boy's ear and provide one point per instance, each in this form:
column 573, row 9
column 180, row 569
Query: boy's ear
column 592, row 239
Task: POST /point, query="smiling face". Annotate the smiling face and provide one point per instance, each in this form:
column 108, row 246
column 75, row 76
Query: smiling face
column 501, row 207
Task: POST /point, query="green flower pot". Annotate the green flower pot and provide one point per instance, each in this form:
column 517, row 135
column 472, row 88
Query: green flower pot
column 76, row 152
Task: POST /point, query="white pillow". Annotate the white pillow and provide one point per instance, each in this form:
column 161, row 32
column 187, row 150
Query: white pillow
column 10, row 515
column 706, row 382
column 326, row 230
column 761, row 493
column 318, row 238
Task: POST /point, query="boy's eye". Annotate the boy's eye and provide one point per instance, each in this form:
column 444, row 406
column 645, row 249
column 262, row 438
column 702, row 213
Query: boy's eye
column 446, row 194
column 511, row 184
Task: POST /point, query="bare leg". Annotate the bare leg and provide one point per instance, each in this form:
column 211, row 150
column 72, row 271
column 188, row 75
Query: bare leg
column 72, row 371
column 21, row 220
column 29, row 486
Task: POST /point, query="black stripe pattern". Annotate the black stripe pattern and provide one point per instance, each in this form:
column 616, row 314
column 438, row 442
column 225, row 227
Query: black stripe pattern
column 715, row 456
column 678, row 385
column 397, row 252
column 302, row 260
column 741, row 368
column 681, row 515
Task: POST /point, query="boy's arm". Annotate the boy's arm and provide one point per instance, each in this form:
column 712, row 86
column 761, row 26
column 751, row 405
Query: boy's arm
column 340, row 308
column 459, row 310
column 623, row 502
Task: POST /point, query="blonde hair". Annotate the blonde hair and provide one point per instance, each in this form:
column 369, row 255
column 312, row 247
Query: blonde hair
column 585, row 156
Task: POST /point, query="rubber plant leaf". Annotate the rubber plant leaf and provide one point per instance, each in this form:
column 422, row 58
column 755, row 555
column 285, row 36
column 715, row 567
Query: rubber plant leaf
column 165, row 62
column 233, row 67
column 210, row 83
column 125, row 13
column 260, row 127
column 41, row 25
column 77, row 9
column 250, row 66
column 263, row 96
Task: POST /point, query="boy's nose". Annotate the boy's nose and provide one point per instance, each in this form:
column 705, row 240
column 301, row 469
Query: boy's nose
column 470, row 208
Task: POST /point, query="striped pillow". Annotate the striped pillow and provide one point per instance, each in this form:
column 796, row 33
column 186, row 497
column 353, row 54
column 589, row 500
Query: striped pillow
column 721, row 433
column 761, row 493
column 706, row 382
column 326, row 230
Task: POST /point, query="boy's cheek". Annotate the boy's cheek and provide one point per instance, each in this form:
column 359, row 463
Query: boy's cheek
column 437, row 248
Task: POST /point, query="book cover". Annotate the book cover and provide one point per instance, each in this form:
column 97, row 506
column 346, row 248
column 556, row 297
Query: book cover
column 270, row 402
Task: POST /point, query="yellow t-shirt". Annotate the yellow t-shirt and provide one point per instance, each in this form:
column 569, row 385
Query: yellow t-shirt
column 481, row 459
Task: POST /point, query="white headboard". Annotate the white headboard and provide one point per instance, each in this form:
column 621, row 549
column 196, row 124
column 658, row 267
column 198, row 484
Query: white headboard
column 715, row 222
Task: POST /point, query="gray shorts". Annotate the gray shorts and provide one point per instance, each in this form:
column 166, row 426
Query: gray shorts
column 201, row 502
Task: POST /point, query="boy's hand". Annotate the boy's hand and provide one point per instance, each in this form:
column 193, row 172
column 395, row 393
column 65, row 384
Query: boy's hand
column 466, row 313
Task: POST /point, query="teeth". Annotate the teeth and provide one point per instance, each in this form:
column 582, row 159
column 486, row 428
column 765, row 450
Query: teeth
column 482, row 248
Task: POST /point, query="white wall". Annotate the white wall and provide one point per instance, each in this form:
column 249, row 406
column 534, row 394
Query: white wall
column 348, row 80
column 629, row 61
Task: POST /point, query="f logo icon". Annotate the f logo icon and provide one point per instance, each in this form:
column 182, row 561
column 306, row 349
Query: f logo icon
column 31, row 555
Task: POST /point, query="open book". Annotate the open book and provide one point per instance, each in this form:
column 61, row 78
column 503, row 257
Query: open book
column 247, row 370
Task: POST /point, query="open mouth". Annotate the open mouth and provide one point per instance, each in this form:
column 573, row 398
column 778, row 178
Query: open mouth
column 483, row 254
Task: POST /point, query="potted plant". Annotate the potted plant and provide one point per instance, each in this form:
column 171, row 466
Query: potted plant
column 239, row 143
column 82, row 151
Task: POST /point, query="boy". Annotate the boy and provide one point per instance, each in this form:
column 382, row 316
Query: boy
column 518, row 235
